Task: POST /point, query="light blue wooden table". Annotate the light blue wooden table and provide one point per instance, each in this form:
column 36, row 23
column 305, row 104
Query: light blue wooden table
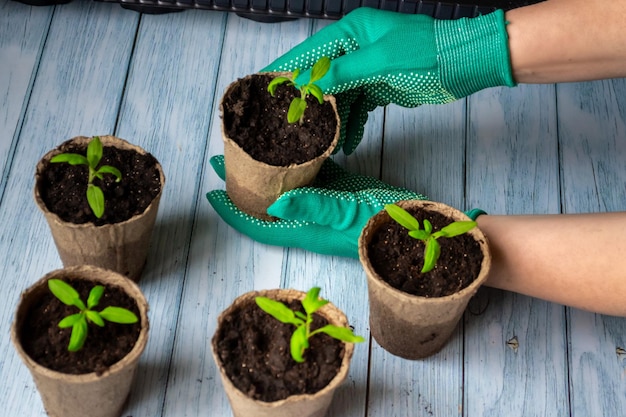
column 89, row 68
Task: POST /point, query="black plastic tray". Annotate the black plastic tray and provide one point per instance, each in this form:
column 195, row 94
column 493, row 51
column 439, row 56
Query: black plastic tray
column 277, row 10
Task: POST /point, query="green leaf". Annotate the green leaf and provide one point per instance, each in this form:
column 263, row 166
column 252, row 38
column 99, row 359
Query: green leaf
column 299, row 343
column 70, row 158
column 431, row 255
column 320, row 68
column 278, row 310
column 341, row 333
column 419, row 234
column 78, row 336
column 70, row 320
column 94, row 296
column 296, row 109
column 317, row 93
column 312, row 302
column 95, row 198
column 455, row 229
column 428, row 227
column 66, row 293
column 271, row 87
column 403, row 217
column 295, row 74
column 94, row 152
column 94, row 317
column 108, row 169
column 119, row 315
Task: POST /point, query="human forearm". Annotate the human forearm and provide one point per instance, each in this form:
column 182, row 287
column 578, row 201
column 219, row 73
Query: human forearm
column 576, row 260
column 568, row 40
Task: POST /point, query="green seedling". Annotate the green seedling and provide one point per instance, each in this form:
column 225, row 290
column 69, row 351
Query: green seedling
column 95, row 196
column 302, row 334
column 298, row 104
column 426, row 235
column 78, row 322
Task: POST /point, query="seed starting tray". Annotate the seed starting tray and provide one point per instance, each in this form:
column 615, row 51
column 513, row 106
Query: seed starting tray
column 277, row 10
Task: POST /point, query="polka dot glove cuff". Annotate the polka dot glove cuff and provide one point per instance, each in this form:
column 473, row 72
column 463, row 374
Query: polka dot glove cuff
column 325, row 218
column 381, row 57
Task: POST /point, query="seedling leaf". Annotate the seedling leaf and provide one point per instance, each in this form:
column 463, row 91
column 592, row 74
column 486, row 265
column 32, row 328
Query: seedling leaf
column 300, row 338
column 320, row 68
column 119, row 315
column 78, row 336
column 65, row 293
column 108, row 169
column 69, row 321
column 278, row 310
column 70, row 158
column 402, row 216
column 299, row 343
column 95, row 198
column 341, row 333
column 94, row 296
column 296, row 110
column 94, row 317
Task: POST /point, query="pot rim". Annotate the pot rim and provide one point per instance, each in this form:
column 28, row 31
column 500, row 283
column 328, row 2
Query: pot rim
column 107, row 140
column 380, row 218
column 329, row 311
column 105, row 277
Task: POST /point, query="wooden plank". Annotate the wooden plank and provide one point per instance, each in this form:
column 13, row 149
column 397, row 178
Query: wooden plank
column 592, row 126
column 343, row 280
column 166, row 110
column 512, row 168
column 222, row 263
column 77, row 90
column 23, row 32
column 423, row 151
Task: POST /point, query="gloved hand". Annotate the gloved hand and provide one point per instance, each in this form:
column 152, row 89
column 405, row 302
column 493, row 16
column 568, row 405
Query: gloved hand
column 326, row 217
column 381, row 57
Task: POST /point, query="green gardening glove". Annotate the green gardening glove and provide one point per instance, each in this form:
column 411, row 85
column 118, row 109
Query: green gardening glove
column 381, row 57
column 326, row 217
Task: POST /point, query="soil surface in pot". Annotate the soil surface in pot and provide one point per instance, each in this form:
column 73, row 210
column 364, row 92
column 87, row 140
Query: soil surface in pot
column 398, row 258
column 257, row 122
column 46, row 343
column 254, row 349
column 63, row 186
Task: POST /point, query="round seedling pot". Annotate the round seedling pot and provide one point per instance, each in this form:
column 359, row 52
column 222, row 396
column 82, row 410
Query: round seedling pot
column 410, row 326
column 122, row 247
column 303, row 405
column 91, row 394
column 253, row 185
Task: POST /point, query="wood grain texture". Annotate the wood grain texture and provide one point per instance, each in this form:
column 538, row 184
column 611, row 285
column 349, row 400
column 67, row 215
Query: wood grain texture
column 592, row 126
column 76, row 91
column 95, row 68
column 21, row 45
column 512, row 149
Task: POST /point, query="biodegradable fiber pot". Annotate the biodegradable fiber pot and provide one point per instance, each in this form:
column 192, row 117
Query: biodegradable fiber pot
column 91, row 394
column 121, row 247
column 410, row 326
column 253, row 185
column 303, row 405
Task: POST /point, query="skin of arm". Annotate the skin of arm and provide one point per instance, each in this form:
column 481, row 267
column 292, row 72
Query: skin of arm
column 568, row 40
column 571, row 259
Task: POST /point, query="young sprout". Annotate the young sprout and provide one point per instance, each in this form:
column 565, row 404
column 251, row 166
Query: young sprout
column 433, row 249
column 302, row 334
column 298, row 104
column 95, row 196
column 78, row 322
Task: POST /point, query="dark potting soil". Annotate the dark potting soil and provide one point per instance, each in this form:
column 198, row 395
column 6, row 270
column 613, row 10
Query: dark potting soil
column 399, row 258
column 257, row 122
column 254, row 348
column 46, row 343
column 63, row 186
